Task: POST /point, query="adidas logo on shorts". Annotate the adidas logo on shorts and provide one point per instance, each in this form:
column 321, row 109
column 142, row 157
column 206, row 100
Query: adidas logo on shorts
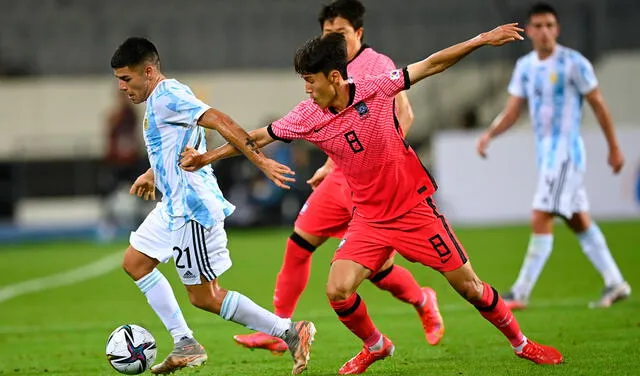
column 188, row 275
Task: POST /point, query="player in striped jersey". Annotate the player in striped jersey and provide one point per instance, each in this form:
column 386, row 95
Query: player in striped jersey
column 555, row 80
column 188, row 223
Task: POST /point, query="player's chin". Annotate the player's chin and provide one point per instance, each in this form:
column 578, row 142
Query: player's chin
column 134, row 99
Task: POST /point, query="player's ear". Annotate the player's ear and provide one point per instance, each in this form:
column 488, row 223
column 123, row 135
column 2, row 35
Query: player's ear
column 334, row 76
column 360, row 33
column 148, row 71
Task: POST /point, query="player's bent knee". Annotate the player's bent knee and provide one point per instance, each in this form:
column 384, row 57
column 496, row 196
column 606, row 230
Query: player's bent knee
column 136, row 264
column 542, row 222
column 338, row 292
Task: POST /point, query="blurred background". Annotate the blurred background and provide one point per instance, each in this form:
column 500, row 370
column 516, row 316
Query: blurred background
column 70, row 145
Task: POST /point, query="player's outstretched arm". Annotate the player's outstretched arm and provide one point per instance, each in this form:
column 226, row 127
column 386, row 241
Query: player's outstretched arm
column 444, row 59
column 192, row 160
column 247, row 145
column 501, row 124
column 600, row 110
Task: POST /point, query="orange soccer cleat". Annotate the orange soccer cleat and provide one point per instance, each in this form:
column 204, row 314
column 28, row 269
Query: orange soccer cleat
column 540, row 354
column 261, row 340
column 431, row 318
column 359, row 363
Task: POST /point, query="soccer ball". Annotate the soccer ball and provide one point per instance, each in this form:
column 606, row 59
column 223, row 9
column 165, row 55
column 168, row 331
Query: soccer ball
column 131, row 349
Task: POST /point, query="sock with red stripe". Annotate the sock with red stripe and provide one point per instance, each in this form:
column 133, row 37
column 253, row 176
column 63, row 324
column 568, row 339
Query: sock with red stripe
column 493, row 309
column 401, row 284
column 352, row 312
column 293, row 276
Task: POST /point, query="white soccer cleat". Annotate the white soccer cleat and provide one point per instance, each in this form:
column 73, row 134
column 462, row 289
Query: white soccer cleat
column 611, row 295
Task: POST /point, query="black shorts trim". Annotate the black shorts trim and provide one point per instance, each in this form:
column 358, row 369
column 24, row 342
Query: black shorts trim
column 196, row 251
column 562, row 179
column 432, row 205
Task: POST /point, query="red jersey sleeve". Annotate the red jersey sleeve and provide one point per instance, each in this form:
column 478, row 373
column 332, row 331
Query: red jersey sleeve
column 391, row 83
column 294, row 125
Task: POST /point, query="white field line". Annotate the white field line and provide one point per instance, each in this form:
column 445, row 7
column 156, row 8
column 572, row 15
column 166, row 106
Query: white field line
column 73, row 276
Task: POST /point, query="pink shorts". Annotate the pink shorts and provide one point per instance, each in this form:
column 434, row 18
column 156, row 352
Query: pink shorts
column 421, row 235
column 329, row 209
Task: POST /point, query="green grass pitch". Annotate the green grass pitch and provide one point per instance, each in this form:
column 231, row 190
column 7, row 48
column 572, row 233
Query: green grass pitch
column 62, row 331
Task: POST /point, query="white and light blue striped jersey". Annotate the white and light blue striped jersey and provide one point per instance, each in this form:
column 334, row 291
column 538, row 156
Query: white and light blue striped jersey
column 554, row 88
column 170, row 124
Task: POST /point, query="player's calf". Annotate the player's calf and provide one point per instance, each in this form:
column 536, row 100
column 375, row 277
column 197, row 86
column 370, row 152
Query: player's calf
column 207, row 296
column 493, row 308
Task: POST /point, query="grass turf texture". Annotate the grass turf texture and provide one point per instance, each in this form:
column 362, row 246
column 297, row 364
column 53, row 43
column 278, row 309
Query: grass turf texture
column 62, row 331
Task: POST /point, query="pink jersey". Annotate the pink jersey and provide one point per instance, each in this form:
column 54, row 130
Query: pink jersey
column 365, row 140
column 367, row 62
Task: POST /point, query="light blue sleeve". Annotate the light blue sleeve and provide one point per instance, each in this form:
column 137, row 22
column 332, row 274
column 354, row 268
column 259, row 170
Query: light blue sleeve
column 583, row 75
column 516, row 85
column 178, row 106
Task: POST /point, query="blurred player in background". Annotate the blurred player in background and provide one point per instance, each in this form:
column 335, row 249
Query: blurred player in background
column 328, row 210
column 122, row 165
column 189, row 222
column 554, row 80
column 353, row 123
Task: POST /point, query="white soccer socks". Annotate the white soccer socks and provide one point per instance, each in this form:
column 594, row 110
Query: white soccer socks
column 538, row 252
column 242, row 310
column 161, row 298
column 595, row 247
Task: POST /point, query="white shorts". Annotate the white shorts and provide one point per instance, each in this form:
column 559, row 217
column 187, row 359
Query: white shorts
column 561, row 191
column 196, row 250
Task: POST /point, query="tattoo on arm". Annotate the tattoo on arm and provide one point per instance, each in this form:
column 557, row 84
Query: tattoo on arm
column 252, row 144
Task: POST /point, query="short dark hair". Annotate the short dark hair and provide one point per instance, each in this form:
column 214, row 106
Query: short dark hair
column 133, row 51
column 322, row 54
column 350, row 10
column 541, row 8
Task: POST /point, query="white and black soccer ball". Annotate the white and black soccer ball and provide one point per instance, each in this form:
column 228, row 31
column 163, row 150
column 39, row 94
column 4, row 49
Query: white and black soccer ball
column 131, row 349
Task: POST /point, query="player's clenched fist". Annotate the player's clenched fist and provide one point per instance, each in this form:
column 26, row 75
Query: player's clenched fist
column 144, row 186
column 191, row 160
column 503, row 34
